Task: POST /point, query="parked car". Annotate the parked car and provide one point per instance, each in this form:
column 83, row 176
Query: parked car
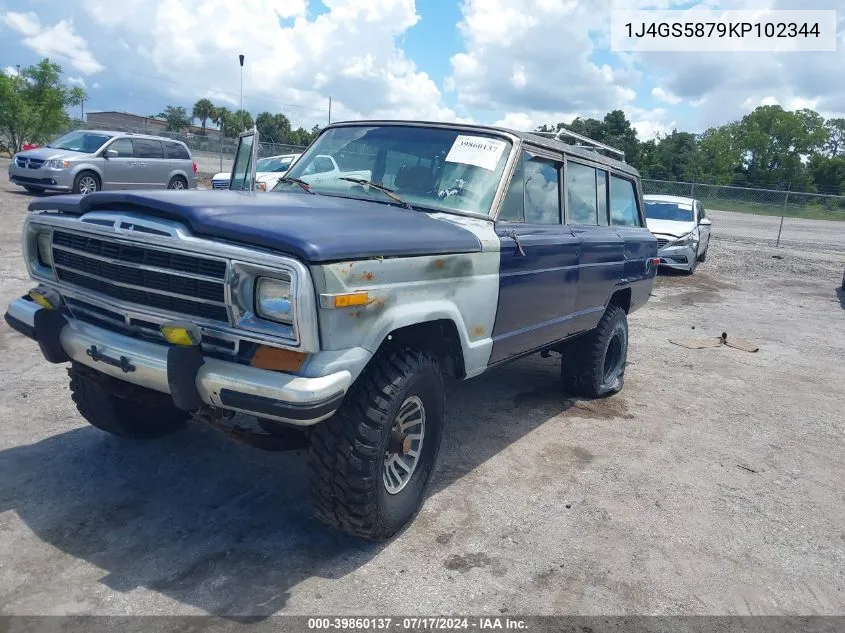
column 85, row 161
column 268, row 172
column 334, row 309
column 682, row 229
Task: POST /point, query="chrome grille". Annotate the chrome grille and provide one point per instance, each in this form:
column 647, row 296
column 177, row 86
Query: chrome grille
column 145, row 276
column 31, row 163
column 219, row 184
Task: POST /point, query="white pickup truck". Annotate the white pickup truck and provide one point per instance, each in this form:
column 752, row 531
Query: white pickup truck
column 268, row 172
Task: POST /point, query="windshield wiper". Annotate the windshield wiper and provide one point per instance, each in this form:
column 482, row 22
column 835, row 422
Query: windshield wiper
column 299, row 182
column 382, row 188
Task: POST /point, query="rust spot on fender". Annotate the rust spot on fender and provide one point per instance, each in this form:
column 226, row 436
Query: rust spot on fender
column 367, row 276
column 356, row 314
column 478, row 331
column 439, row 263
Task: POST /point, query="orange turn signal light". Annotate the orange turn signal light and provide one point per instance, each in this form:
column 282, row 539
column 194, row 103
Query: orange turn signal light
column 351, row 299
column 276, row 359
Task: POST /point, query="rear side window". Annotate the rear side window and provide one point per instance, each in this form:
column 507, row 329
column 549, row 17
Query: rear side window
column 147, row 148
column 601, row 188
column 581, row 199
column 175, row 150
column 123, row 147
column 623, row 203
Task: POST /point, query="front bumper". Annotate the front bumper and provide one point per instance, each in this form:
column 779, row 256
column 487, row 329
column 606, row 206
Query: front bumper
column 47, row 179
column 677, row 257
column 260, row 392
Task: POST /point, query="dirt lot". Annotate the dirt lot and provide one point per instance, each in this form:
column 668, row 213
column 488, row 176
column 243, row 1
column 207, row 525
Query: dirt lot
column 711, row 485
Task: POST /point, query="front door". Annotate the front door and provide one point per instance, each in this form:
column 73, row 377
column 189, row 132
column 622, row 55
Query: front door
column 119, row 171
column 538, row 272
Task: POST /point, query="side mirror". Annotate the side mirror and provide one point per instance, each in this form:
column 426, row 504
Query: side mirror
column 705, row 222
column 111, row 153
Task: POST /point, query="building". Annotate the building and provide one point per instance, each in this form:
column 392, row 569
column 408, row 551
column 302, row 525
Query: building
column 126, row 121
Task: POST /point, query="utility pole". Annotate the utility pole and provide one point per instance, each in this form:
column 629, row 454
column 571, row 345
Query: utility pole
column 82, row 113
column 330, row 110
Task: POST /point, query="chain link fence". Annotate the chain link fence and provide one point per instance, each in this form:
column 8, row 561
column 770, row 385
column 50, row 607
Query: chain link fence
column 771, row 216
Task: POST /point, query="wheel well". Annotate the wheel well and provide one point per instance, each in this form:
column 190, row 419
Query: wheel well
column 437, row 337
column 178, row 177
column 621, row 298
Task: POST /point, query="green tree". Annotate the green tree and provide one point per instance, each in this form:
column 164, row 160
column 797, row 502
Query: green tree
column 614, row 130
column 177, row 118
column 33, row 104
column 273, row 128
column 242, row 120
column 722, row 154
column 835, row 145
column 203, row 111
column 223, row 118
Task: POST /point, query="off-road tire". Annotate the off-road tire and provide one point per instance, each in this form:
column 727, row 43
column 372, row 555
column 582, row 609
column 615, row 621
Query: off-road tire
column 80, row 180
column 146, row 415
column 347, row 453
column 587, row 368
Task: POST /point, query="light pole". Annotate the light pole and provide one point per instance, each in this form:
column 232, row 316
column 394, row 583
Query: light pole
column 241, row 58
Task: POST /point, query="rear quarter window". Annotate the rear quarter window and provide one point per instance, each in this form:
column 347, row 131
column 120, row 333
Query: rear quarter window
column 623, row 202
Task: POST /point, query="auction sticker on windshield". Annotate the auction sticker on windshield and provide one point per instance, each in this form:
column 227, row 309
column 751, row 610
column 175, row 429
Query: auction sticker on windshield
column 476, row 150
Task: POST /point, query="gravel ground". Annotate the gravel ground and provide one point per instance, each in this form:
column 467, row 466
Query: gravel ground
column 711, row 485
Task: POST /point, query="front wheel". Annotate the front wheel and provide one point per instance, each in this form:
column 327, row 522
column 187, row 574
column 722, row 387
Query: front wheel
column 371, row 462
column 138, row 413
column 593, row 365
column 86, row 182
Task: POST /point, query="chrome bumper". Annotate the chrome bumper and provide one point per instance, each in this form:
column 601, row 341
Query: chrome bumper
column 232, row 386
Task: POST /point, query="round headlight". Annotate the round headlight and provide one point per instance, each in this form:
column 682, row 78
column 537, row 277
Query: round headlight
column 273, row 300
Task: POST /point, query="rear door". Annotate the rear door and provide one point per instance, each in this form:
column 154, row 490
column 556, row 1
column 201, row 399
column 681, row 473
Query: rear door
column 602, row 261
column 628, row 220
column 703, row 229
column 538, row 271
column 119, row 171
column 152, row 171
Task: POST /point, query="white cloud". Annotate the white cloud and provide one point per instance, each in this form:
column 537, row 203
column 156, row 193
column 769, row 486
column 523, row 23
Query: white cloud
column 536, row 56
column 59, row 40
column 665, row 96
column 349, row 53
column 10, row 71
column 95, row 85
column 76, row 81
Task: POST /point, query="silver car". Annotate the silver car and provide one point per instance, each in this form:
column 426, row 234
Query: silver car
column 84, row 161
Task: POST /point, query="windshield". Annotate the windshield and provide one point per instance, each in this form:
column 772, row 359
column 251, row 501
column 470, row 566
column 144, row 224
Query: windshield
column 431, row 168
column 273, row 164
column 668, row 211
column 80, row 141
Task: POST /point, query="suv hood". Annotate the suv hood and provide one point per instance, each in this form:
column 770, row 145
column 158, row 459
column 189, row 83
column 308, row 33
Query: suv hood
column 313, row 228
column 674, row 228
column 48, row 153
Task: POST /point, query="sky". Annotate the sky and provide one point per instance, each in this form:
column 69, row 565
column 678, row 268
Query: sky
column 518, row 63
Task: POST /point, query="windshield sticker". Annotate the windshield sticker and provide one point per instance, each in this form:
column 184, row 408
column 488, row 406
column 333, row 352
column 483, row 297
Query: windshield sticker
column 476, row 150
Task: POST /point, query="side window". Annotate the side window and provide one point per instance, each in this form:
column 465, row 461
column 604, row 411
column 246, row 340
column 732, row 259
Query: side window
column 581, row 204
column 123, row 147
column 623, row 203
column 601, row 190
column 322, row 165
column 147, row 148
column 533, row 195
column 175, row 150
column 542, row 191
column 701, row 212
column 513, row 206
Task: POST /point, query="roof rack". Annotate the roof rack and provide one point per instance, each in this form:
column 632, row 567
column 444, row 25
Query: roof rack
column 582, row 141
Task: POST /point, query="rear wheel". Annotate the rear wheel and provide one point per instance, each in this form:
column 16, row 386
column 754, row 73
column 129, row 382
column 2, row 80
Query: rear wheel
column 123, row 410
column 371, row 462
column 593, row 365
column 177, row 182
column 86, row 182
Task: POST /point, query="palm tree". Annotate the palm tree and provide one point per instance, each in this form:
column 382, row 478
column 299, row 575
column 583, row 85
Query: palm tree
column 177, row 118
column 203, row 110
column 222, row 118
